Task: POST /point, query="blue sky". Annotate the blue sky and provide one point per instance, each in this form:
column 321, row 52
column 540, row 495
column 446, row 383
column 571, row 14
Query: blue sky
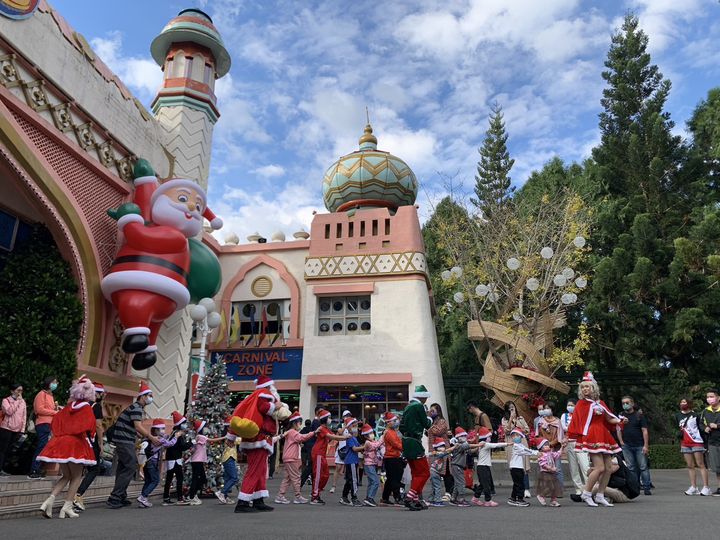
column 303, row 72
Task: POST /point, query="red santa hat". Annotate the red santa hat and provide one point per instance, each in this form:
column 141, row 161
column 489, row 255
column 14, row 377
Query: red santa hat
column 99, row 388
column 517, row 431
column 460, row 432
column 144, row 389
column 178, row 418
column 158, row 423
column 438, row 442
column 263, row 381
column 294, row 417
column 348, row 421
column 215, row 222
column 483, row 433
column 542, row 443
column 322, row 413
column 588, row 377
column 367, row 429
column 389, row 417
column 199, row 424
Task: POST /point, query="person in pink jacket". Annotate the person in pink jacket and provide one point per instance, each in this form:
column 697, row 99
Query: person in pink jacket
column 12, row 425
column 291, row 460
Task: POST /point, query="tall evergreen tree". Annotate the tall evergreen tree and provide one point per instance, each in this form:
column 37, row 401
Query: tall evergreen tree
column 492, row 181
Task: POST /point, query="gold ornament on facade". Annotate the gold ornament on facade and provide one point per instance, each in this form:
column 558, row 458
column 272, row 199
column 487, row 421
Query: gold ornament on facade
column 62, row 117
column 8, row 73
column 85, row 136
column 106, row 154
column 368, row 136
column 261, row 286
column 35, row 95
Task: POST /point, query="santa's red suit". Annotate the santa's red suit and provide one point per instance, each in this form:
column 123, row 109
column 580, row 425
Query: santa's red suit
column 73, row 429
column 257, row 407
column 591, row 429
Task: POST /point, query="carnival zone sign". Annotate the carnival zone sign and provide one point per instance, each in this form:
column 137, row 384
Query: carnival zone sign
column 243, row 365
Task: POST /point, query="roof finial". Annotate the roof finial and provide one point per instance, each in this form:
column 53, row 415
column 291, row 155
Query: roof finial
column 367, row 115
column 368, row 141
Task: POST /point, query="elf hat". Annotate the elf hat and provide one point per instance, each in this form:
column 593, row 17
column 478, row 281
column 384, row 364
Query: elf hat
column 99, row 388
column 460, row 432
column 421, row 392
column 346, row 414
column 215, row 222
column 199, row 424
column 144, row 389
column 263, row 381
column 389, row 417
column 483, row 433
column 542, row 443
column 322, row 413
column 438, row 442
column 367, row 429
column 348, row 421
column 158, row 423
column 517, row 431
column 230, row 436
column 294, row 417
column 588, row 377
column 177, row 418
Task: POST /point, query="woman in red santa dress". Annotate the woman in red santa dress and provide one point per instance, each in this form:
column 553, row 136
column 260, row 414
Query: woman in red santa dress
column 73, row 429
column 591, row 426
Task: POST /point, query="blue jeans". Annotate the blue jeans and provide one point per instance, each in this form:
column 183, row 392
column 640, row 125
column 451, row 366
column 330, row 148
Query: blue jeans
column 438, row 487
column 43, row 435
column 373, row 481
column 230, row 476
column 637, row 463
column 560, row 474
column 152, row 477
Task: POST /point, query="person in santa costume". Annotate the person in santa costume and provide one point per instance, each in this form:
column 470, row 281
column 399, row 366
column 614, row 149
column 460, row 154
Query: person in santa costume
column 73, row 430
column 591, row 427
column 148, row 280
column 415, row 421
column 254, row 422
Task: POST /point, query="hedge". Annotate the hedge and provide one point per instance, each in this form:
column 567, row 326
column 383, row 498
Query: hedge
column 666, row 456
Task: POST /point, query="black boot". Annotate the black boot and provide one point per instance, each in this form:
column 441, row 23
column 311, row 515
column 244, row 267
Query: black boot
column 243, row 507
column 144, row 360
column 260, row 506
column 135, row 342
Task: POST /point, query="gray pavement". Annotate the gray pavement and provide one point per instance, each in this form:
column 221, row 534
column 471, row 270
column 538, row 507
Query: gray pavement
column 667, row 514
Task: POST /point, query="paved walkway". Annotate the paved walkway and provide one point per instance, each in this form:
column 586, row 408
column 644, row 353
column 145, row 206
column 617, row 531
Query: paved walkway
column 667, row 514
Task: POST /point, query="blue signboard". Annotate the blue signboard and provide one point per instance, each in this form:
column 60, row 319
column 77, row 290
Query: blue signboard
column 249, row 364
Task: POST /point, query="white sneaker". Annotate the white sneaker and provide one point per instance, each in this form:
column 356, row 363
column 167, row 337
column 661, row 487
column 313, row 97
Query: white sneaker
column 602, row 501
column 221, row 497
column 692, row 490
column 528, row 495
column 281, row 500
column 447, row 497
column 195, row 501
column 588, row 498
column 332, row 489
column 705, row 491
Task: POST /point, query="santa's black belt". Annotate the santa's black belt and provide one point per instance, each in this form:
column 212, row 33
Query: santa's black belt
column 148, row 259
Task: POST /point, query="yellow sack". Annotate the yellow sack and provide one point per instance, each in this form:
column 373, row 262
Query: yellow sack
column 244, row 427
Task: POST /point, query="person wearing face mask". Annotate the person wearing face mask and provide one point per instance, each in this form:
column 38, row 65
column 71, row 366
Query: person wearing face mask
column 710, row 424
column 45, row 408
column 12, row 421
column 550, row 428
column 517, row 467
column 439, row 429
column 92, row 471
column 692, row 446
column 126, row 430
column 174, row 461
column 633, row 436
column 393, row 461
column 577, row 461
column 351, row 464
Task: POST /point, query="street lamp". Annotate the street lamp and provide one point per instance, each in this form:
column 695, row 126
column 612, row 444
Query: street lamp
column 206, row 319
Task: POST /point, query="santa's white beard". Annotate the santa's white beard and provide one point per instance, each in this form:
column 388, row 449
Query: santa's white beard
column 274, row 392
column 171, row 214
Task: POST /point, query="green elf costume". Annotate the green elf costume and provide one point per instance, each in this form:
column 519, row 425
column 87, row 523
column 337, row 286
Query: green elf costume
column 414, row 423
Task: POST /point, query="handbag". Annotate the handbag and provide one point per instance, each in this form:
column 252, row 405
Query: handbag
column 343, row 452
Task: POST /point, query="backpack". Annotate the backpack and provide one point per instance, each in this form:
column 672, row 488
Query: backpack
column 343, row 452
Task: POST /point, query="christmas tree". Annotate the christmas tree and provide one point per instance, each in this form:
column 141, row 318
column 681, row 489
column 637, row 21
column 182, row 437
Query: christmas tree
column 211, row 405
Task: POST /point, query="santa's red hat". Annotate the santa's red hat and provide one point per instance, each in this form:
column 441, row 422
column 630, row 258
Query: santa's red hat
column 322, row 413
column 199, row 424
column 349, row 421
column 389, row 417
column 438, row 442
column 542, row 443
column 144, row 389
column 178, row 418
column 294, row 417
column 517, row 431
column 483, row 433
column 99, row 387
column 460, row 432
column 158, row 423
column 215, row 222
column 588, row 377
column 263, row 381
column 367, row 429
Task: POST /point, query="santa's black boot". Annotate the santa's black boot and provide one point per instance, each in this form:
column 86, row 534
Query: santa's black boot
column 243, row 507
column 144, row 360
column 133, row 343
column 260, row 506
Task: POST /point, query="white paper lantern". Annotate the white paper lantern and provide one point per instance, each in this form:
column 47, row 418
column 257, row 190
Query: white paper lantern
column 532, row 284
column 213, row 319
column 547, row 252
column 513, row 263
column 569, row 273
column 459, row 297
column 566, row 299
column 493, row 296
column 559, row 280
column 581, row 282
column 579, row 242
column 573, row 297
column 456, row 271
column 208, row 304
column 482, row 290
column 197, row 312
column 445, row 275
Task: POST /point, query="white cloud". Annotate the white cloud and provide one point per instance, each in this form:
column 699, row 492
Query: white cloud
column 662, row 19
column 270, row 171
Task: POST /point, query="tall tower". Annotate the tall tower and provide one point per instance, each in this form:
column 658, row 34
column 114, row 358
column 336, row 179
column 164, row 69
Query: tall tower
column 192, row 55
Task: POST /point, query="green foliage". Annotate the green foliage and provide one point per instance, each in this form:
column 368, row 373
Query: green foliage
column 666, row 456
column 41, row 316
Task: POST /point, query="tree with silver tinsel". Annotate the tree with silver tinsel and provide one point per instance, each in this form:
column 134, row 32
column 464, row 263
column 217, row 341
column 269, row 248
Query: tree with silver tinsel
column 211, row 405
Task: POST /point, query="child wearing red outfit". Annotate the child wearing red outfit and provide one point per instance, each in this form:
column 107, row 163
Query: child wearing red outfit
column 73, row 429
column 321, row 472
column 591, row 427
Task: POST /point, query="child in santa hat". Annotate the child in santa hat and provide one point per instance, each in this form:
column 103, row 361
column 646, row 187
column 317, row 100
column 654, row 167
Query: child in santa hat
column 352, row 460
column 230, row 469
column 174, row 460
column 152, row 463
column 458, row 460
column 198, row 460
column 291, row 459
column 438, row 459
column 548, row 484
column 483, row 466
column 517, row 467
column 371, row 462
column 319, row 455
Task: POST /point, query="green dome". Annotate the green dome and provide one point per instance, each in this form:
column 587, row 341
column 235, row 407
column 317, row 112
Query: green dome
column 368, row 177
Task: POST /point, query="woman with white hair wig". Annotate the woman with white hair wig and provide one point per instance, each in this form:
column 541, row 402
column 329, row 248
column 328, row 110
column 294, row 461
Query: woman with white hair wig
column 73, row 429
column 591, row 427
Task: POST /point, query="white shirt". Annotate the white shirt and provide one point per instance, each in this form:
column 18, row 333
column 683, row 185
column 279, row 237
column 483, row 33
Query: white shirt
column 518, row 452
column 485, row 453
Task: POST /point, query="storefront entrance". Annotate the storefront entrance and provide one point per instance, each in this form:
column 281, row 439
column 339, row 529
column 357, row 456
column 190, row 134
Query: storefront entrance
column 366, row 403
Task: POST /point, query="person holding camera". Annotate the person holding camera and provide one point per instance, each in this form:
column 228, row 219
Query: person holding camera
column 13, row 418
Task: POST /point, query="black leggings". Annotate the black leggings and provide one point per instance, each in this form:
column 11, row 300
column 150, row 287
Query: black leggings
column 485, row 482
column 198, row 478
column 351, row 481
column 518, row 489
column 394, row 468
column 7, row 439
column 177, row 472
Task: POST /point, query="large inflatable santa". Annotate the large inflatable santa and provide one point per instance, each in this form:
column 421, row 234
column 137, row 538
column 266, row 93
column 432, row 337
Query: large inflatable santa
column 149, row 278
column 255, row 420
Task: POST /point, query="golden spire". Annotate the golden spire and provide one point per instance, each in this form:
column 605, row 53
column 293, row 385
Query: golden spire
column 368, row 139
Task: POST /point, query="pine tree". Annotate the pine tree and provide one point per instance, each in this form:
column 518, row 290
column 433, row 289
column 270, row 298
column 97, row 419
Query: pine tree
column 492, row 181
column 211, row 405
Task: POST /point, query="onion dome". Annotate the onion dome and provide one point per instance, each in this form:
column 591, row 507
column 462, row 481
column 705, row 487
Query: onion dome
column 368, row 178
column 194, row 26
column 278, row 236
